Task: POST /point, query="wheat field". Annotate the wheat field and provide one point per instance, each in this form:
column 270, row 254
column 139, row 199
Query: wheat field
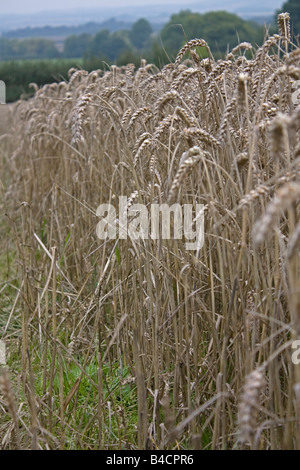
column 142, row 344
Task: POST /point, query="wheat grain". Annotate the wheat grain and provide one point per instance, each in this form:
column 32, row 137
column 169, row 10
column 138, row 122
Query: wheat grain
column 78, row 116
column 189, row 45
column 187, row 162
column 284, row 198
column 284, row 27
column 243, row 45
column 249, row 406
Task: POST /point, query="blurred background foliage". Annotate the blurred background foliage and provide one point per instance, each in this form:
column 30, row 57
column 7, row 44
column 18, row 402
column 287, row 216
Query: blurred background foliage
column 43, row 60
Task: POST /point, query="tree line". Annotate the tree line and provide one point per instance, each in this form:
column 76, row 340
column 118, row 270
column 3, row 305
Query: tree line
column 48, row 31
column 221, row 29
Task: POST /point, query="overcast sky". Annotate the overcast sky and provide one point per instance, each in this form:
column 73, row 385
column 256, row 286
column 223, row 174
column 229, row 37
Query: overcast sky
column 34, row 6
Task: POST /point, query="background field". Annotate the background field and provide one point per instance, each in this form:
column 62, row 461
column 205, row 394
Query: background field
column 33, row 55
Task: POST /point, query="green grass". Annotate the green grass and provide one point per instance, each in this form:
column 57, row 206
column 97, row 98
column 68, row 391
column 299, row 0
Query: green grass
column 117, row 428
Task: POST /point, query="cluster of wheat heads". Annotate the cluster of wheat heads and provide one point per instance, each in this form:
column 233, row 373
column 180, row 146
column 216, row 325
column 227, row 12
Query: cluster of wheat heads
column 126, row 344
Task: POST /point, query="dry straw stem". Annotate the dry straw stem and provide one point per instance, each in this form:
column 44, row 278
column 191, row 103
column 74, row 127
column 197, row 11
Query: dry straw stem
column 283, row 200
column 8, row 395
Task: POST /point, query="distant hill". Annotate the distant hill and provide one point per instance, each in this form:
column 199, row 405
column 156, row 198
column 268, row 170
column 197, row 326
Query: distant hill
column 156, row 14
column 63, row 31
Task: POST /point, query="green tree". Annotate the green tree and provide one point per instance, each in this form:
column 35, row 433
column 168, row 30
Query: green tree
column 106, row 45
column 140, row 33
column 99, row 43
column 34, row 48
column 77, row 46
column 114, row 47
column 222, row 31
